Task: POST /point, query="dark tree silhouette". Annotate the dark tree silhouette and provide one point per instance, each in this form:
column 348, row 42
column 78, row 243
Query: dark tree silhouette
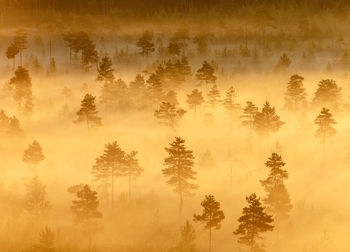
column 145, row 43
column 253, row 222
column 213, row 97
column 328, row 94
column 11, row 53
column 229, row 101
column 295, row 97
column 155, row 88
column 69, row 38
column 169, row 115
column 283, row 62
column 89, row 55
column 33, row 155
column 88, row 113
column 110, row 165
column 267, row 121
column 20, row 41
column 46, row 241
column 211, row 217
column 194, row 100
column 206, row 74
column 105, row 70
column 187, row 241
column 325, row 124
column 248, row 115
column 35, row 199
column 174, row 48
column 179, row 169
column 9, row 126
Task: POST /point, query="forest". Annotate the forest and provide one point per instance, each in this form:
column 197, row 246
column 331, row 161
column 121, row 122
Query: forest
column 174, row 126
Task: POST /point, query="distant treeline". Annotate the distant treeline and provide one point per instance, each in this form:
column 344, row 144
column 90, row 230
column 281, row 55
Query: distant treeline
column 150, row 7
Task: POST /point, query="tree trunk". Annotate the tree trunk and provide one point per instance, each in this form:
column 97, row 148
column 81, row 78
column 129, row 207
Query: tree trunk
column 112, row 187
column 210, row 239
column 129, row 187
column 20, row 55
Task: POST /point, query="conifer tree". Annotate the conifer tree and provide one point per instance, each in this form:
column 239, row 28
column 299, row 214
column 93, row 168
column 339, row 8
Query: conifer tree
column 328, row 94
column 185, row 68
column 213, row 97
column 206, row 74
column 52, row 67
column 20, row 41
column 89, row 55
column 132, row 168
column 171, row 97
column 105, row 70
column 267, row 121
column 211, row 217
column 295, row 97
column 69, row 38
column 325, row 124
column 187, row 241
column 174, row 48
column 229, row 101
column 194, row 100
column 155, row 88
column 253, row 222
column 248, row 115
column 46, row 241
column 88, row 113
column 33, row 155
column 35, row 199
column 138, row 84
column 145, row 43
column 11, row 53
column 111, row 165
column 284, row 62
column 169, row 115
column 277, row 199
column 179, row 169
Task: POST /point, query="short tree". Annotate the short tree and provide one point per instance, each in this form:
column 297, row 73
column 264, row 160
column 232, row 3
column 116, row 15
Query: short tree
column 11, row 53
column 229, row 101
column 179, row 169
column 211, row 217
column 155, row 88
column 283, row 62
column 206, row 74
column 132, row 168
column 169, row 115
column 328, row 94
column 33, row 155
column 267, row 121
column 88, row 112
column 35, row 199
column 325, row 124
column 248, row 115
column 213, row 97
column 105, row 70
column 145, row 43
column 187, row 241
column 295, row 97
column 194, row 100
column 253, row 222
column 46, row 241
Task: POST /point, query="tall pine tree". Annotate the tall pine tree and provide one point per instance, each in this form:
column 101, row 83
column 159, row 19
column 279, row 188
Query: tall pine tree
column 88, row 113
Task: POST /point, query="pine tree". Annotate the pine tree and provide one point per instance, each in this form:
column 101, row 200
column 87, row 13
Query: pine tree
column 155, row 88
column 229, row 101
column 145, row 43
column 253, row 222
column 188, row 237
column 105, row 70
column 206, row 74
column 11, row 53
column 20, row 41
column 69, row 38
column 132, row 168
column 171, row 97
column 174, row 48
column 46, row 241
column 185, row 68
column 295, row 97
column 211, row 217
column 169, row 115
column 35, row 199
column 194, row 100
column 89, row 55
column 179, row 169
column 325, row 121
column 88, row 113
column 213, row 97
column 328, row 94
column 277, row 200
column 284, row 62
column 248, row 115
column 33, row 155
column 110, row 165
column 267, row 121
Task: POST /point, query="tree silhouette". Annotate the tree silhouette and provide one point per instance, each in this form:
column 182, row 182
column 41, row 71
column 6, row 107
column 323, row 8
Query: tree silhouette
column 11, row 53
column 206, row 74
column 105, row 70
column 88, row 113
column 284, row 62
column 89, row 55
column 277, row 200
column 211, row 217
column 145, row 43
column 46, row 241
column 155, row 88
column 52, row 67
column 35, row 199
column 20, row 41
column 325, row 121
column 111, row 164
column 69, row 38
column 179, row 169
column 132, row 168
column 328, row 94
column 213, row 97
column 248, row 115
column 267, row 121
column 295, row 97
column 194, row 100
column 33, row 155
column 253, row 222
column 169, row 115
column 229, row 101
column 188, row 236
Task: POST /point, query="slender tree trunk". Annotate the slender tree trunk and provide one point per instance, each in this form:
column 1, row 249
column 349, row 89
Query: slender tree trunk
column 210, row 239
column 112, row 188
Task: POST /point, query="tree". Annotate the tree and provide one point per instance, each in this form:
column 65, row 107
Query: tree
column 284, row 62
column 248, row 115
column 11, row 53
column 211, row 217
column 253, row 222
column 89, row 55
column 35, row 199
column 111, row 164
column 194, row 99
column 105, row 70
column 206, row 74
column 132, row 168
column 213, row 96
column 69, row 38
column 188, row 236
column 277, row 199
column 46, row 241
column 88, row 112
column 22, row 88
column 325, row 121
column 295, row 97
column 328, row 94
column 85, row 209
column 169, row 115
column 52, row 67
column 155, row 88
column 145, row 43
column 179, row 169
column 267, row 121
column 33, row 155
column 20, row 41
column 229, row 101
